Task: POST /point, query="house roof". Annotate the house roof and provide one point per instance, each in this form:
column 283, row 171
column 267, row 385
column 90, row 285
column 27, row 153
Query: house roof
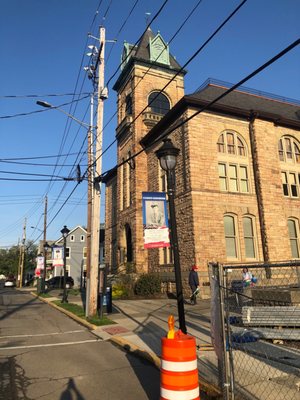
column 72, row 231
column 141, row 54
column 242, row 103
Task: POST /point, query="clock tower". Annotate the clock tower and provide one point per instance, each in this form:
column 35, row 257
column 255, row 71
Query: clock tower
column 149, row 85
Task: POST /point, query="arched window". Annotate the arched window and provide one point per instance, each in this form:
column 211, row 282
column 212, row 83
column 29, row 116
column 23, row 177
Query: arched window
column 231, row 143
column 233, row 163
column 230, row 237
column 249, row 237
column 294, row 237
column 289, row 156
column 158, row 103
column 288, row 150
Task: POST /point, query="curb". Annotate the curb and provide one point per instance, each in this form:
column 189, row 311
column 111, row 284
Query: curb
column 129, row 347
column 135, row 350
column 81, row 321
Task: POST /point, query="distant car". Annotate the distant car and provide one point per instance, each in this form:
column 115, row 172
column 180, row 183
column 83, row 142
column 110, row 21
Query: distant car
column 10, row 282
column 57, row 282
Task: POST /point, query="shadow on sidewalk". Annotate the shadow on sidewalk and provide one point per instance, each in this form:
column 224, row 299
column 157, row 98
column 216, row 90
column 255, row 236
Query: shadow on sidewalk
column 71, row 389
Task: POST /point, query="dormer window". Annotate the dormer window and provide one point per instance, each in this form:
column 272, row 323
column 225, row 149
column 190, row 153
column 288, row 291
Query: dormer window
column 158, row 103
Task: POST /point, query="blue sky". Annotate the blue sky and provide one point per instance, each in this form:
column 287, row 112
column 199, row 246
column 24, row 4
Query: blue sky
column 42, row 44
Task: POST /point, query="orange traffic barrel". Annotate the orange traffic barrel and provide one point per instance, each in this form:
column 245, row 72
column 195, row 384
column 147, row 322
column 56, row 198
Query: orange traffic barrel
column 179, row 371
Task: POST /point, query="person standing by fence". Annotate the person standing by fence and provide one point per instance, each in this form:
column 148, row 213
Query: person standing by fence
column 194, row 283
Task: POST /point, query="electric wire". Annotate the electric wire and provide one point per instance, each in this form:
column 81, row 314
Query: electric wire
column 235, row 86
column 227, row 19
column 120, row 29
column 128, row 55
column 25, row 96
column 43, row 110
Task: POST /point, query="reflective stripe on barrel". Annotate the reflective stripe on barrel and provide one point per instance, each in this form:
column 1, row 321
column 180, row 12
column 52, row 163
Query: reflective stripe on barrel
column 179, row 372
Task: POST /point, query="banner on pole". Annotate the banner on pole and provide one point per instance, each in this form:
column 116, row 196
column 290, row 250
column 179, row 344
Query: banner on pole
column 155, row 220
column 58, row 256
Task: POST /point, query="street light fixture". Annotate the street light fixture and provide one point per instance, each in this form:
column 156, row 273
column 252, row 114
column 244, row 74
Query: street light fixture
column 46, row 248
column 167, row 156
column 65, row 231
column 48, row 105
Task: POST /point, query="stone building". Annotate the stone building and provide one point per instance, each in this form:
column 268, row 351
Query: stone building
column 237, row 173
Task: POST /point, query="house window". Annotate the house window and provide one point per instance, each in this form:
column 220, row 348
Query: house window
column 231, row 143
column 230, row 237
column 249, row 238
column 72, row 238
column 294, row 237
column 68, row 270
column 233, row 177
column 233, row 163
column 68, row 252
column 85, row 252
column 165, row 256
column 82, row 238
column 289, row 150
column 158, row 103
column 290, row 183
column 128, row 106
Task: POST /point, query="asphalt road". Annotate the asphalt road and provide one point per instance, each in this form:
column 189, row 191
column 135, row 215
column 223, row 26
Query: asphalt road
column 44, row 355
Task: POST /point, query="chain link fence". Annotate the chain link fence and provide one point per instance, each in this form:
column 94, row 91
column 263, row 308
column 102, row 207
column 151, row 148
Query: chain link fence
column 256, row 329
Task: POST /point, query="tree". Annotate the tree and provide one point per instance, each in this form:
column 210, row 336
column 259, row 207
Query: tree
column 9, row 259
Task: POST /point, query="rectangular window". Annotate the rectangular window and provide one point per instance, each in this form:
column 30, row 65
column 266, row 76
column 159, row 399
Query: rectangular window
column 293, row 183
column 249, row 237
column 84, row 252
column 233, row 181
column 230, row 237
column 230, row 143
column 222, row 177
column 68, row 252
column 72, row 238
column 288, row 148
column 285, row 186
column 82, row 238
column 244, row 180
column 293, row 238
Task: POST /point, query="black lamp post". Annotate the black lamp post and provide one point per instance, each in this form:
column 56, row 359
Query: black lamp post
column 46, row 248
column 65, row 231
column 167, row 156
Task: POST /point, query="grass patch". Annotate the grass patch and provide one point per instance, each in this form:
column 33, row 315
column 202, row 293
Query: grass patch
column 79, row 311
column 44, row 295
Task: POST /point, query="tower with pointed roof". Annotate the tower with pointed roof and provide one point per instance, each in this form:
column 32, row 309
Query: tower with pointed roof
column 149, row 85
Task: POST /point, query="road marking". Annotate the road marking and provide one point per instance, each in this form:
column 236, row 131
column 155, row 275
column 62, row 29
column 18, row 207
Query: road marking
column 49, row 345
column 42, row 334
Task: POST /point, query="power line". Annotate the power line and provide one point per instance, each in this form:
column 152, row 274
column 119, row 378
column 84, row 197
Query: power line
column 240, row 83
column 181, row 69
column 40, row 111
column 128, row 55
column 39, row 157
column 36, row 164
column 25, row 96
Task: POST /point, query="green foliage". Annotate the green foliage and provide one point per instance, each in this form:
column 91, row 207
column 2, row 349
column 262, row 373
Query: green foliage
column 148, row 284
column 119, row 291
column 9, row 259
column 79, row 311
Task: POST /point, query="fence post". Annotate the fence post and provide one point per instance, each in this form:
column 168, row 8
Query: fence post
column 225, row 366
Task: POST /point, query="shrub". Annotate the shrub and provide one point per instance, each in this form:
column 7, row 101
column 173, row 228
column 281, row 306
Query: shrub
column 148, row 284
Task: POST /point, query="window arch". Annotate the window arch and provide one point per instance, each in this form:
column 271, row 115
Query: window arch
column 230, row 142
column 233, row 165
column 158, row 103
column 293, row 227
column 231, row 237
column 249, row 237
column 289, row 150
column 289, row 156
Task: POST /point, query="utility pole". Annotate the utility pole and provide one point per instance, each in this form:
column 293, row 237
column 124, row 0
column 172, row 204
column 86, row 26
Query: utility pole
column 22, row 258
column 95, row 231
column 89, row 205
column 44, row 241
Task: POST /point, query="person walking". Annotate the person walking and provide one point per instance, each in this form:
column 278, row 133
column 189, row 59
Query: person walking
column 194, row 284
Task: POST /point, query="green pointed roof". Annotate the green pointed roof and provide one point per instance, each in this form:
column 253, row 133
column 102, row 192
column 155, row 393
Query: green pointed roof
column 152, row 51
